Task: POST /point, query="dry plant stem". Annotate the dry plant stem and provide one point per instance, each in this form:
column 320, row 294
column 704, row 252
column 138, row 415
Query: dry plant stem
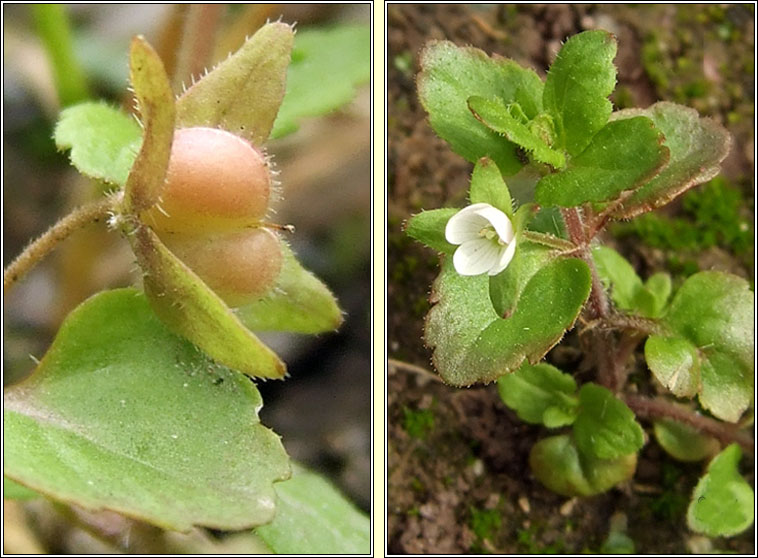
column 41, row 247
column 400, row 365
column 196, row 52
column 659, row 408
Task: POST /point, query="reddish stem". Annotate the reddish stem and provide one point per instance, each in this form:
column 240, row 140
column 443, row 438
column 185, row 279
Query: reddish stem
column 646, row 407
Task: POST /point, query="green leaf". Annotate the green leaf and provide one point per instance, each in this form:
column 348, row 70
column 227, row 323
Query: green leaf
column 697, row 147
column 605, row 427
column 622, row 156
column 14, row 491
column 473, row 344
column 488, row 186
column 103, row 141
column 428, row 227
column 191, row 309
column 242, row 94
column 496, row 116
column 714, row 312
column 298, row 302
column 506, row 287
column 156, row 105
column 123, row 415
column 343, row 53
column 450, row 75
column 577, row 88
column 561, row 467
column 722, row 503
column 684, row 442
column 540, row 394
column 675, row 363
column 312, row 517
column 627, row 289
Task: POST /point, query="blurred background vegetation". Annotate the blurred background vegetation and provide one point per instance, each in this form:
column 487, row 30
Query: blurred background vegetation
column 322, row 410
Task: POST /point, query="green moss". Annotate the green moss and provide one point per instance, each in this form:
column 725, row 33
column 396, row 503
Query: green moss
column 714, row 217
column 485, row 524
column 418, row 423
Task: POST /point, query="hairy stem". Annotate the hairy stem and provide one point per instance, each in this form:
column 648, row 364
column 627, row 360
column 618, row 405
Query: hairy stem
column 42, row 246
column 646, row 407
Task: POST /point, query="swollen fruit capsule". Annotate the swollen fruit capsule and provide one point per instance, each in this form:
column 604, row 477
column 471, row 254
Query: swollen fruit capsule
column 239, row 266
column 215, row 182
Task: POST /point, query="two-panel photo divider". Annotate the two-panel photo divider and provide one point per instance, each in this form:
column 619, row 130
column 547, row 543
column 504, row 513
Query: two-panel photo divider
column 570, row 278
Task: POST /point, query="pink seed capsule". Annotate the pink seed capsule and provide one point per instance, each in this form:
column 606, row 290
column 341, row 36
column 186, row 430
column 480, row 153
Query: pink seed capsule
column 216, row 181
column 239, row 266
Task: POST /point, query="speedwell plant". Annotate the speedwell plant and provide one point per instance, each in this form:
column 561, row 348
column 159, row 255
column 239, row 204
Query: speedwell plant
column 553, row 166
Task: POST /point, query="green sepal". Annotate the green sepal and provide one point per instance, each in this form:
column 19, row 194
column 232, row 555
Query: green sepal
column 488, row 186
column 243, row 93
column 428, row 227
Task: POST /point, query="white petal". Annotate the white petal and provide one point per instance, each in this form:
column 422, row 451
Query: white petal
column 476, row 257
column 505, row 258
column 498, row 219
column 466, row 224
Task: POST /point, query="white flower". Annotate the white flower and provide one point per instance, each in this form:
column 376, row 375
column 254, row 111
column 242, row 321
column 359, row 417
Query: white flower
column 486, row 238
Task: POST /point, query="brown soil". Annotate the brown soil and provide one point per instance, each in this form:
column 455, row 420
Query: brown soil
column 462, row 483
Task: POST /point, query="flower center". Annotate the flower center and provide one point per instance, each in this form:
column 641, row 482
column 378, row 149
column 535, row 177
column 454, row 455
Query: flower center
column 489, row 233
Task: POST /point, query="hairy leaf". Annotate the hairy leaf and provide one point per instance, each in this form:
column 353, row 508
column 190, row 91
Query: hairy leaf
column 560, row 466
column 123, row 415
column 622, row 156
column 605, row 427
column 577, row 88
column 540, row 394
column 697, row 147
column 103, row 141
column 496, row 116
column 473, row 344
column 722, row 503
column 450, row 75
column 312, row 517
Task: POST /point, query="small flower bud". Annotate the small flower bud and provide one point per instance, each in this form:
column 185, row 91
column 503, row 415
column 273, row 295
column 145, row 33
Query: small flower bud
column 239, row 266
column 216, row 181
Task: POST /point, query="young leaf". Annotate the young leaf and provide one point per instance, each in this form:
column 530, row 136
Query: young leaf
column 242, row 94
column 577, row 88
column 450, row 75
column 298, row 302
column 191, row 309
column 506, row 287
column 561, row 467
column 722, row 503
column 622, row 155
column 488, row 186
column 156, row 105
column 697, row 146
column 341, row 52
column 675, row 363
column 123, row 415
column 103, row 141
column 428, row 227
column 627, row 289
column 684, row 442
column 473, row 344
column 605, row 427
column 495, row 115
column 312, row 517
column 540, row 394
column 713, row 312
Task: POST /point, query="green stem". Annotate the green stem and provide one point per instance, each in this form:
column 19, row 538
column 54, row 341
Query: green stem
column 54, row 29
column 92, row 212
